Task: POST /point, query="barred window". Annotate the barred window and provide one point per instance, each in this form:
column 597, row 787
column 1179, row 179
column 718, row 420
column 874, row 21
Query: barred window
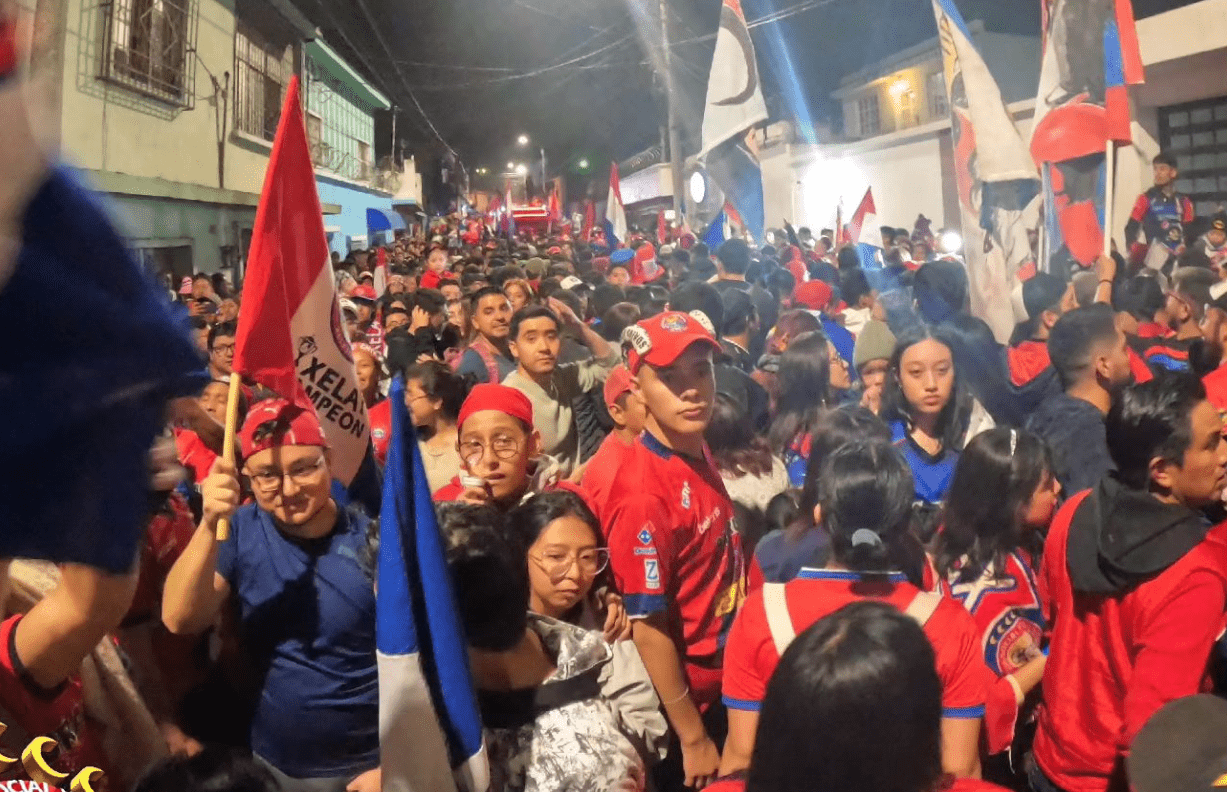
column 262, row 72
column 151, row 48
column 938, row 108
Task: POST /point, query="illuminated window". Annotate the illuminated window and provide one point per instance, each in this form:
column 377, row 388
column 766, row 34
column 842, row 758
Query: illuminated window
column 869, row 115
column 938, row 107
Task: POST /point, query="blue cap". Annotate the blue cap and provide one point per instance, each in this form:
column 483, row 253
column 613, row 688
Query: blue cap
column 621, row 256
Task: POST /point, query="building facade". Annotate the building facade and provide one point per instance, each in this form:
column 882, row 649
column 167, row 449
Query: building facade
column 906, row 155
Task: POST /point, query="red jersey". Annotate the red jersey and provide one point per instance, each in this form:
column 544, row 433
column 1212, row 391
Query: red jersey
column 1154, row 330
column 1216, row 392
column 1114, row 660
column 431, row 279
column 1141, row 371
column 169, row 532
column 1027, row 361
column 751, row 657
column 194, row 454
column 673, row 549
column 58, row 714
column 381, row 429
column 1007, row 611
column 602, row 469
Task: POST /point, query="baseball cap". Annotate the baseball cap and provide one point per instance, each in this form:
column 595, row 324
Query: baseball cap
column 291, row 426
column 617, row 383
column 621, row 256
column 814, row 295
column 1182, row 747
column 662, row 339
column 348, row 305
column 363, row 292
column 499, row 398
column 366, row 276
column 1219, row 222
column 185, row 286
column 570, row 282
column 1040, row 292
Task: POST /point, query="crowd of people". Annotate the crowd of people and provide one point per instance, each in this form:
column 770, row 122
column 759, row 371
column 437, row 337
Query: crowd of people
column 755, row 518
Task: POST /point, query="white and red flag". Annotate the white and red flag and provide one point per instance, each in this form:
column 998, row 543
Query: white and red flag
column 290, row 337
column 381, row 271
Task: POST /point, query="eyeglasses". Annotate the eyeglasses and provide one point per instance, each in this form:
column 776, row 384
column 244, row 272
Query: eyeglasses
column 557, row 563
column 301, row 474
column 225, row 349
column 504, row 447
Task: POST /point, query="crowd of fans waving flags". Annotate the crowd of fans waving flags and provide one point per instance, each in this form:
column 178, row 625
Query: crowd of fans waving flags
column 592, row 507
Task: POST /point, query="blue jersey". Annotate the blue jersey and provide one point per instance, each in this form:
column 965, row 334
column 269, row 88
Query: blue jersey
column 307, row 623
column 932, row 474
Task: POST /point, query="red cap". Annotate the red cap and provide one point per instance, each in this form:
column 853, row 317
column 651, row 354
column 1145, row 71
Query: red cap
column 363, row 292
column 814, row 295
column 293, row 426
column 496, row 397
column 617, row 383
column 554, row 251
column 660, row 340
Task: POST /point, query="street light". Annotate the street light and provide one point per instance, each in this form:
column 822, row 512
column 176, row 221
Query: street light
column 583, row 164
column 511, row 166
column 522, row 140
column 521, row 169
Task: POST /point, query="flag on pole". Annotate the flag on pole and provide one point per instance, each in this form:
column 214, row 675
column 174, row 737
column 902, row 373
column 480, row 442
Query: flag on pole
column 997, row 182
column 589, row 218
column 717, row 231
column 1090, row 58
column 381, row 271
column 290, row 335
column 867, row 234
column 430, row 733
column 615, row 213
column 734, row 105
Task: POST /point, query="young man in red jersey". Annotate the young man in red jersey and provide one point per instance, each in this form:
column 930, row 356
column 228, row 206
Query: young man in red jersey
column 673, row 549
column 1134, row 584
column 628, row 412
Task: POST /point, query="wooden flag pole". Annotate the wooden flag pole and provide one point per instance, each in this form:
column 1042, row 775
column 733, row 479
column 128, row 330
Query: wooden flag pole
column 1109, row 195
column 232, row 418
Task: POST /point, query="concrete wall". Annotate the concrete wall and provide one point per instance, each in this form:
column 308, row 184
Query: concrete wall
column 111, row 128
column 354, row 201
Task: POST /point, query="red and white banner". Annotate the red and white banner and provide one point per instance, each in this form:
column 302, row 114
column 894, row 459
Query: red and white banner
column 290, row 335
column 381, row 271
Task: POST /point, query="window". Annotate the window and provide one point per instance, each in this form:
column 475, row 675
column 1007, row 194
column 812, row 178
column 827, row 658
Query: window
column 151, row 48
column 365, row 165
column 938, row 107
column 263, row 69
column 869, row 116
column 907, row 109
column 1196, row 133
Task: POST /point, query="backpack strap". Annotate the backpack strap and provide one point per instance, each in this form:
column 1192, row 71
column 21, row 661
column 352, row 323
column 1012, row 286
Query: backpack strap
column 778, row 619
column 487, row 357
column 922, row 607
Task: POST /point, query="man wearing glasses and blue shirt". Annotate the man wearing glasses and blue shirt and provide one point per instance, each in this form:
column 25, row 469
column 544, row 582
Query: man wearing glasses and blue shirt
column 306, row 607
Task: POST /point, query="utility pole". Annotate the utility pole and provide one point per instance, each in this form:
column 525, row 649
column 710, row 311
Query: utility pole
column 675, row 146
column 543, row 176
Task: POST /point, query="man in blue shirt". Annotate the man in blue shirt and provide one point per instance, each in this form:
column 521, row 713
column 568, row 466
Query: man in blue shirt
column 306, row 607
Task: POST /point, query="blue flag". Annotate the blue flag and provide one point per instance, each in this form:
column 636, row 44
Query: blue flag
column 429, row 723
column 714, row 236
column 94, row 353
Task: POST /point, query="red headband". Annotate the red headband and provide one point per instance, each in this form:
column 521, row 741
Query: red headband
column 499, row 398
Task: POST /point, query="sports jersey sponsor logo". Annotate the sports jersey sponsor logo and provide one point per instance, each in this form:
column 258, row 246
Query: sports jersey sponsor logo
column 651, row 574
column 645, row 536
column 645, row 551
column 707, row 522
column 686, row 495
column 1013, row 640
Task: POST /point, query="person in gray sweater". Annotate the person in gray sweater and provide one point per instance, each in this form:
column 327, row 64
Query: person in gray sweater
column 534, row 341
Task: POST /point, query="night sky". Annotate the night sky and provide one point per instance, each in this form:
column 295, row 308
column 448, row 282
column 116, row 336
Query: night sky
column 464, row 61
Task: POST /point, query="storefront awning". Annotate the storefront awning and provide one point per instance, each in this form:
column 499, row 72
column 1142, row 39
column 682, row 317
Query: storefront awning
column 384, row 220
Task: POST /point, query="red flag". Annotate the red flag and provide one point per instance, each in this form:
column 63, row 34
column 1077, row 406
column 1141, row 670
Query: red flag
column 290, row 336
column 589, row 219
column 840, row 236
column 662, row 232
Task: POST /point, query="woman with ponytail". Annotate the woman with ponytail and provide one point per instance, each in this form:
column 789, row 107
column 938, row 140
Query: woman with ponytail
column 864, row 504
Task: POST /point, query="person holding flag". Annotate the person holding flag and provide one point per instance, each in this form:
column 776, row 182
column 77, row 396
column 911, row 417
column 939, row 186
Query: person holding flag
column 306, row 606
